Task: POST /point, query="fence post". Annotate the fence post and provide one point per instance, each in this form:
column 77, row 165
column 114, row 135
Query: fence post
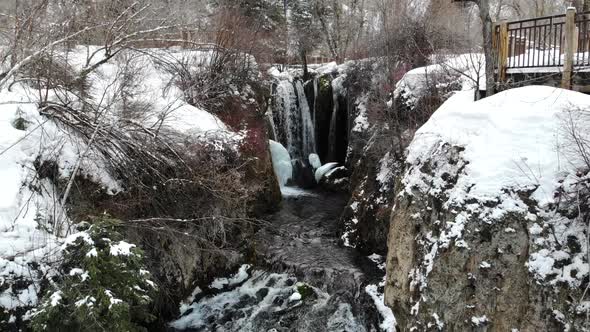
column 503, row 44
column 570, row 43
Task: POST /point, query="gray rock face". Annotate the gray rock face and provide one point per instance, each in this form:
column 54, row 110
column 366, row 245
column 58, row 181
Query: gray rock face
column 477, row 274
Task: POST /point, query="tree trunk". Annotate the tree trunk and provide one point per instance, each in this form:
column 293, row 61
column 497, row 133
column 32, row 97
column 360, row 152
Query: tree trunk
column 303, row 56
column 486, row 24
column 586, row 6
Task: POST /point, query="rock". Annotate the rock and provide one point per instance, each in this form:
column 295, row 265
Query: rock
column 336, row 180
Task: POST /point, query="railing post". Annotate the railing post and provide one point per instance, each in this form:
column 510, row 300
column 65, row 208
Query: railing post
column 570, row 44
column 503, row 44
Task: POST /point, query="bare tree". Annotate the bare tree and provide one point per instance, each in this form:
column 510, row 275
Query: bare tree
column 486, row 29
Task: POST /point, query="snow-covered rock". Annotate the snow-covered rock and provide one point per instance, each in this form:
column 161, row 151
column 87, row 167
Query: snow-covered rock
column 489, row 201
column 466, row 70
column 323, row 170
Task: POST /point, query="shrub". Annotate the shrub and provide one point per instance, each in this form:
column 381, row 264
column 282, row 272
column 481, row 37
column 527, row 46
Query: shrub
column 101, row 285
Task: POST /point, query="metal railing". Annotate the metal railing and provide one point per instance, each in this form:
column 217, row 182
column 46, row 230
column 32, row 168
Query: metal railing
column 542, row 42
column 534, row 42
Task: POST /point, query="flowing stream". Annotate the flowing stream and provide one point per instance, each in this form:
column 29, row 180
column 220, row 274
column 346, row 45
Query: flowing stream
column 304, row 280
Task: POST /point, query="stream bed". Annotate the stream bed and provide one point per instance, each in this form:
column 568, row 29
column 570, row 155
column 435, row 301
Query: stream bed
column 303, row 280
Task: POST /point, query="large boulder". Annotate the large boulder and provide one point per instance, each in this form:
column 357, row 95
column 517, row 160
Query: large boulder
column 487, row 232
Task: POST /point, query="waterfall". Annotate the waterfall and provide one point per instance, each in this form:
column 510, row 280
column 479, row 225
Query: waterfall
column 307, row 125
column 333, row 121
column 316, row 83
column 284, row 103
column 294, row 124
column 271, row 124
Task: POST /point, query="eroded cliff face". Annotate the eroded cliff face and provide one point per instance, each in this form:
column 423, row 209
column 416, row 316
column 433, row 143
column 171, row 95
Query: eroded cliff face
column 492, row 250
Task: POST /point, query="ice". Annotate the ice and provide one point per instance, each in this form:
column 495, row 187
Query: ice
column 320, row 172
column 281, row 162
column 314, row 161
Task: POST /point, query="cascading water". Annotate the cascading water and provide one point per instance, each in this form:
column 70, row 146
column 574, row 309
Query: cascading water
column 332, row 137
column 316, row 90
column 282, row 114
column 307, row 281
column 307, row 125
column 292, row 116
column 294, row 127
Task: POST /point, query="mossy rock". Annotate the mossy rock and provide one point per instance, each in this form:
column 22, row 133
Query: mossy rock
column 306, row 291
column 325, row 84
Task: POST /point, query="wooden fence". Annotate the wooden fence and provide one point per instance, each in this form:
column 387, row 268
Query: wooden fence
column 543, row 44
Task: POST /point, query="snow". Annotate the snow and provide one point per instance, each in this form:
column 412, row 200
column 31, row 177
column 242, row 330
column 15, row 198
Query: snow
column 190, row 119
column 389, row 323
column 485, row 265
column 113, row 301
column 479, row 320
column 295, row 297
column 511, row 140
column 386, row 173
column 121, row 249
column 494, row 150
column 92, row 253
column 79, row 272
column 281, row 162
column 55, row 298
column 87, row 301
column 469, row 67
column 361, row 122
column 322, row 171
